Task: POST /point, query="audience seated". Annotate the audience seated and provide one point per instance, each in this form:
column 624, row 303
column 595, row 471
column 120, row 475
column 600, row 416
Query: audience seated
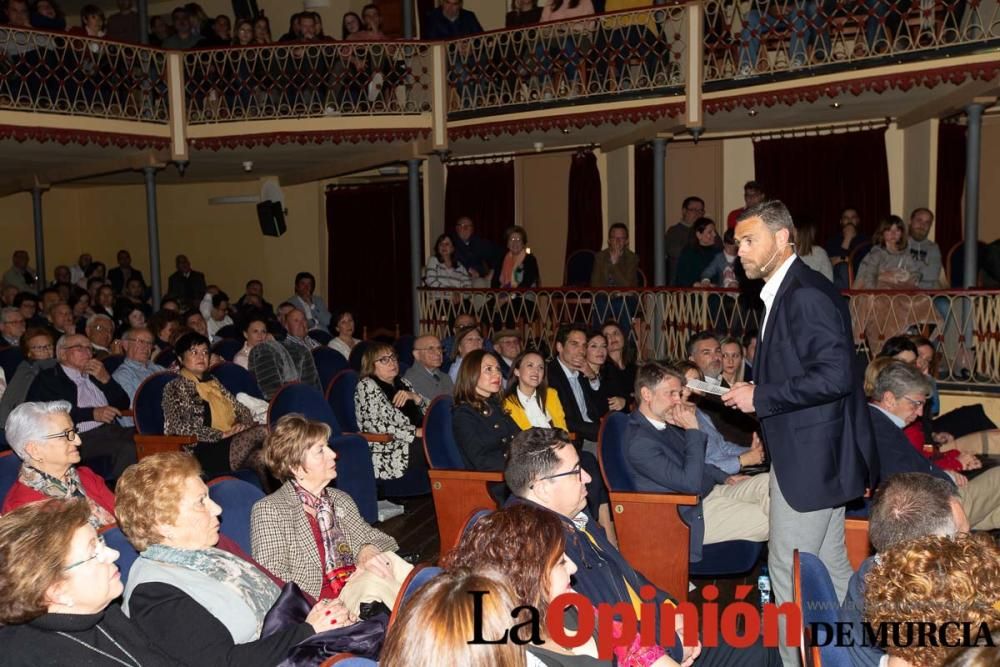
column 309, row 533
column 567, row 375
column 900, row 393
column 163, row 325
column 889, row 264
column 732, row 361
column 384, row 402
column 907, row 506
column 124, row 272
column 722, row 271
column 12, row 326
column 479, row 256
column 467, row 340
column 449, row 20
column 482, row 428
column 37, row 346
column 528, row 544
column 434, row 626
column 528, row 399
column 124, row 26
column 518, row 269
column 543, row 470
column 753, row 194
column 253, row 299
column 839, row 248
column 925, row 253
column 185, row 284
column 61, row 319
column 621, row 364
column 197, row 404
column 297, row 325
column 425, row 375
column 444, row 270
column 100, row 330
column 315, row 310
column 506, row 347
column 183, row 37
column 195, row 602
column 809, row 251
column 610, row 394
column 43, row 437
column 214, row 308
column 699, row 254
column 58, row 587
column 343, row 340
column 96, row 400
column 678, row 235
column 665, row 450
column 704, row 350
column 616, row 265
column 20, row 275
column 275, row 364
column 254, row 333
column 947, row 581
column 136, row 367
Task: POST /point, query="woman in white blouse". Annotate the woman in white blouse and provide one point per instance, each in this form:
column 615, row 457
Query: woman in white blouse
column 443, row 269
column 528, row 399
column 344, row 340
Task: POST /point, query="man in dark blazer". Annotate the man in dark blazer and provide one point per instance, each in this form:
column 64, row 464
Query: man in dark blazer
column 566, row 376
column 185, row 284
column 121, row 274
column 96, row 400
column 812, row 411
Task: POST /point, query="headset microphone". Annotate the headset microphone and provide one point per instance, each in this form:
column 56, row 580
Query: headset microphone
column 763, row 269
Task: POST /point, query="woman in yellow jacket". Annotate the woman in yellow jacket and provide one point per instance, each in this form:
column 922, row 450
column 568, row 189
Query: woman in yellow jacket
column 528, row 398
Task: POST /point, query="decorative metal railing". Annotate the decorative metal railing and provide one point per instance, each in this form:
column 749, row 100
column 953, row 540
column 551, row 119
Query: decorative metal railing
column 964, row 325
column 302, row 80
column 614, row 53
column 756, row 37
column 79, row 76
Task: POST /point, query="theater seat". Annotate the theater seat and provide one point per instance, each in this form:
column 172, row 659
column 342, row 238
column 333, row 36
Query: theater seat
column 148, row 408
column 237, row 379
column 112, row 362
column 418, row 576
column 227, row 348
column 355, row 475
column 814, row 594
column 10, row 468
column 458, row 493
column 651, row 534
column 127, row 554
column 10, row 359
column 328, row 364
column 348, row 660
column 236, row 498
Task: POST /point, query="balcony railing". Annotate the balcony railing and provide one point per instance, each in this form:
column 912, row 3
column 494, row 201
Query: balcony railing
column 65, row 74
column 964, row 325
column 300, row 80
column 639, row 53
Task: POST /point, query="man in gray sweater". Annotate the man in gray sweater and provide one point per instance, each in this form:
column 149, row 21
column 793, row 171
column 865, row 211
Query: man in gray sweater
column 926, row 253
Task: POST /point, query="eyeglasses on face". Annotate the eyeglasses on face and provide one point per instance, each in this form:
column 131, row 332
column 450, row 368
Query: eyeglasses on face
column 70, row 434
column 915, row 403
column 576, row 470
column 387, row 359
column 99, row 550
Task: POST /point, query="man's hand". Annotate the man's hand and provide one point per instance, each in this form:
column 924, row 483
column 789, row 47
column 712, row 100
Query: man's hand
column 733, row 480
column 616, row 403
column 97, row 370
column 683, row 416
column 756, row 454
column 959, row 479
column 740, row 397
column 106, row 414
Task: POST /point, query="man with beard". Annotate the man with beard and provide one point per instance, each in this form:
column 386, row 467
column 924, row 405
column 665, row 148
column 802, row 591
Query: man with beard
column 927, row 253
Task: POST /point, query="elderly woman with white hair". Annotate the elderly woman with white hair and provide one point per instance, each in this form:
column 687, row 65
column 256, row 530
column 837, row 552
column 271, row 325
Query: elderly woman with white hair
column 44, row 438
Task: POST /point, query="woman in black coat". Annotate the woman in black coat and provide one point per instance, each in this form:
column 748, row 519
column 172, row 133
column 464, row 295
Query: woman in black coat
column 482, row 429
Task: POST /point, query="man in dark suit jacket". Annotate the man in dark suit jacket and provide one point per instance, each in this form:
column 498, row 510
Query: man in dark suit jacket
column 185, row 284
column 565, row 375
column 665, row 451
column 812, row 412
column 96, row 400
column 901, row 392
column 121, row 274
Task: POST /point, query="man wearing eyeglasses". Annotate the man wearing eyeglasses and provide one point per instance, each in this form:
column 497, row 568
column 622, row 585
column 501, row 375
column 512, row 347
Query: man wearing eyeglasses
column 96, row 398
column 679, row 235
column 901, row 392
column 425, row 374
column 12, row 326
column 138, row 344
column 543, row 469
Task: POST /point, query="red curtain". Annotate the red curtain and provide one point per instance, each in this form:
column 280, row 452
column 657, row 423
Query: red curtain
column 817, row 176
column 369, row 253
column 644, row 239
column 586, row 220
column 485, row 193
column 948, row 225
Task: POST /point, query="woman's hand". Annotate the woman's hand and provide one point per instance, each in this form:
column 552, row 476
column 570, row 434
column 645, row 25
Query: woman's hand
column 969, row 461
column 375, row 561
column 329, row 615
column 402, row 396
column 234, row 430
column 616, row 403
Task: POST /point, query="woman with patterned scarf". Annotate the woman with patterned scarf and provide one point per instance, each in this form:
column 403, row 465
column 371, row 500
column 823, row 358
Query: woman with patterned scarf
column 195, row 602
column 43, row 437
column 312, row 534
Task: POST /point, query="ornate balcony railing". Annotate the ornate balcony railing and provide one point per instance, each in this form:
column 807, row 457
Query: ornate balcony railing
column 78, row 76
column 615, row 53
column 307, row 80
column 758, row 37
column 964, row 325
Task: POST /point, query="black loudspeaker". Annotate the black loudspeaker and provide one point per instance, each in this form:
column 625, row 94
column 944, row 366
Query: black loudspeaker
column 271, row 218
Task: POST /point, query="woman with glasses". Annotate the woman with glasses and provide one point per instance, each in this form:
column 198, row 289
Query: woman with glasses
column 467, row 340
column 384, row 402
column 38, row 348
column 43, row 437
column 197, row 404
column 519, row 270
column 57, row 586
column 480, row 424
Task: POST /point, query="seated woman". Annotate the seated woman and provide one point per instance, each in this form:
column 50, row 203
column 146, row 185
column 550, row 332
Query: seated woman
column 528, row 545
column 307, row 531
column 196, row 603
column 467, row 339
column 444, row 271
column 610, row 394
column 38, row 347
column 343, row 340
column 254, row 333
column 518, row 270
column 698, row 254
column 385, row 402
column 43, row 437
column 732, row 360
column 197, row 404
column 434, row 626
column 57, row 587
column 528, row 398
column 621, row 363
column 482, row 429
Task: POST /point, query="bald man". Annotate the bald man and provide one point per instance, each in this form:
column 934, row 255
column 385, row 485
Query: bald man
column 425, row 374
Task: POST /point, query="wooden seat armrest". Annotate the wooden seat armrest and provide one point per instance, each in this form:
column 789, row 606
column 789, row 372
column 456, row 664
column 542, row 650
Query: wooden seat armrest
column 127, row 413
column 470, row 475
column 374, row 437
column 653, row 498
column 147, row 445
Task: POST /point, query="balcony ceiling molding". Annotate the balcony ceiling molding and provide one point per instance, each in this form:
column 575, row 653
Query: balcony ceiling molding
column 899, row 80
column 317, row 137
column 44, row 135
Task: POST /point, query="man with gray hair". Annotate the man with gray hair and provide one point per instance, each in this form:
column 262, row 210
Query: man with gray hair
column 138, row 343
column 906, row 507
column 12, row 326
column 901, row 392
column 100, row 331
column 96, row 402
